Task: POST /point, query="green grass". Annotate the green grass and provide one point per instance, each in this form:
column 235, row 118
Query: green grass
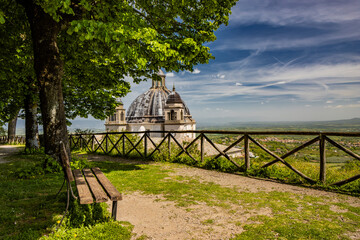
column 293, row 216
column 339, row 165
column 29, row 211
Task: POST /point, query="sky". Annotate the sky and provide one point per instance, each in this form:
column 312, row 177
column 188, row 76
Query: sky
column 277, row 61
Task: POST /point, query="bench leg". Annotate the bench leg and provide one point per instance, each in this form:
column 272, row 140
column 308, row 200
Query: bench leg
column 114, row 210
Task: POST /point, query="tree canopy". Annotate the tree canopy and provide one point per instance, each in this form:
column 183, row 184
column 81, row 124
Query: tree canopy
column 83, row 50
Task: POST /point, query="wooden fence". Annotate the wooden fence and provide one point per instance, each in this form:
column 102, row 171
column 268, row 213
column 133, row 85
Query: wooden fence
column 14, row 140
column 116, row 141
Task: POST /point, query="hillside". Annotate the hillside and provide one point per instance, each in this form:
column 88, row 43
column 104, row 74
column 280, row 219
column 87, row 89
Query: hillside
column 335, row 125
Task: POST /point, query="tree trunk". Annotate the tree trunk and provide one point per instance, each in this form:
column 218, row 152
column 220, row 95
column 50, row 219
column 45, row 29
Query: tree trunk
column 12, row 129
column 49, row 71
column 31, row 125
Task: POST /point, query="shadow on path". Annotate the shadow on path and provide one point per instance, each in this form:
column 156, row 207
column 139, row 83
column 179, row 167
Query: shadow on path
column 6, row 150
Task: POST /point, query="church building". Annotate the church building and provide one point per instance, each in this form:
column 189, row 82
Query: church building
column 157, row 109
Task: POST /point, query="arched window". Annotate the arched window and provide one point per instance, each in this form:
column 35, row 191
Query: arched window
column 122, row 116
column 182, row 115
column 113, row 118
column 173, row 115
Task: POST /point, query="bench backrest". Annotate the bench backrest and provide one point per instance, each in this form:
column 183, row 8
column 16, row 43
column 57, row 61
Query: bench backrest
column 66, row 163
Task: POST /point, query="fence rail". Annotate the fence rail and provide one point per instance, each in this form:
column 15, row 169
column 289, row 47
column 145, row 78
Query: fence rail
column 13, row 140
column 124, row 144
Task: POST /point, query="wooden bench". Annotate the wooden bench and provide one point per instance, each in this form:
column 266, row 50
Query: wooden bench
column 92, row 185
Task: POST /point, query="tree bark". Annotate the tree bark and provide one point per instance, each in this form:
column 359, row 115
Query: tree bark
column 31, row 124
column 12, row 129
column 49, row 71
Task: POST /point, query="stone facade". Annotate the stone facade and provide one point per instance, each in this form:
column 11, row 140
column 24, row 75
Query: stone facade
column 116, row 122
column 158, row 109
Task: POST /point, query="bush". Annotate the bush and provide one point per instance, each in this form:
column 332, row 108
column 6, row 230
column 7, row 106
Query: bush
column 106, row 230
column 86, row 214
column 2, row 131
column 45, row 166
column 78, row 162
column 351, row 165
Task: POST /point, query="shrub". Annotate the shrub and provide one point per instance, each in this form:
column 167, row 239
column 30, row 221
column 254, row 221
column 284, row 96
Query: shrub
column 86, row 214
column 45, row 166
column 351, row 165
column 78, row 162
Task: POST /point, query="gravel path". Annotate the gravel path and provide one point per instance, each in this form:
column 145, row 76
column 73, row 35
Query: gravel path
column 156, row 218
column 6, row 150
column 163, row 220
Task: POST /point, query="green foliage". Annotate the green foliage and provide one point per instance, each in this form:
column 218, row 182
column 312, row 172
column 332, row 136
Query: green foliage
column 83, row 131
column 28, row 204
column 351, row 165
column 222, row 164
column 78, row 162
column 105, row 230
column 45, row 166
column 102, row 44
column 2, row 131
column 30, row 151
column 30, row 210
column 81, row 215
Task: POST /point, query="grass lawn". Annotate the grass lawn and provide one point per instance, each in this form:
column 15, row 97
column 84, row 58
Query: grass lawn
column 29, row 210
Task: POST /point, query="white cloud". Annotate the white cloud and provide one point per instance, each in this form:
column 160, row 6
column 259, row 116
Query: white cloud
column 295, row 12
column 281, row 41
column 343, row 106
column 329, row 101
column 170, row 74
column 196, row 71
column 331, row 21
column 222, row 76
column 317, row 82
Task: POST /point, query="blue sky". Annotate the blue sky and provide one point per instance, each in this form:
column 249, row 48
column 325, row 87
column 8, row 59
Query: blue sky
column 277, row 61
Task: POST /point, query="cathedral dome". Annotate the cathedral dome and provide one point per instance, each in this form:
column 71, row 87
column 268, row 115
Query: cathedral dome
column 174, row 97
column 149, row 106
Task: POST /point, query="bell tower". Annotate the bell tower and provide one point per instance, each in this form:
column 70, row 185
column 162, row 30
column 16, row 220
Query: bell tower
column 174, row 108
column 116, row 122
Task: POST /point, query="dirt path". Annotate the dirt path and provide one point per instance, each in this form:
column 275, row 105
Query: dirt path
column 163, row 220
column 6, row 150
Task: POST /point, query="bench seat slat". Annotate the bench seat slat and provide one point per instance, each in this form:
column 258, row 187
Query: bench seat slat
column 82, row 188
column 95, row 187
column 114, row 194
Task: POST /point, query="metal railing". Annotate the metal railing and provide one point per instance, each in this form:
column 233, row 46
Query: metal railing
column 122, row 144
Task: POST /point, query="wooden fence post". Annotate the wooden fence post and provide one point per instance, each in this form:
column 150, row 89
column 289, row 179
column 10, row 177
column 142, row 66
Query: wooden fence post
column 246, row 152
column 202, row 147
column 123, row 144
column 145, row 143
column 169, row 146
column 106, row 143
column 322, row 159
column 81, row 142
